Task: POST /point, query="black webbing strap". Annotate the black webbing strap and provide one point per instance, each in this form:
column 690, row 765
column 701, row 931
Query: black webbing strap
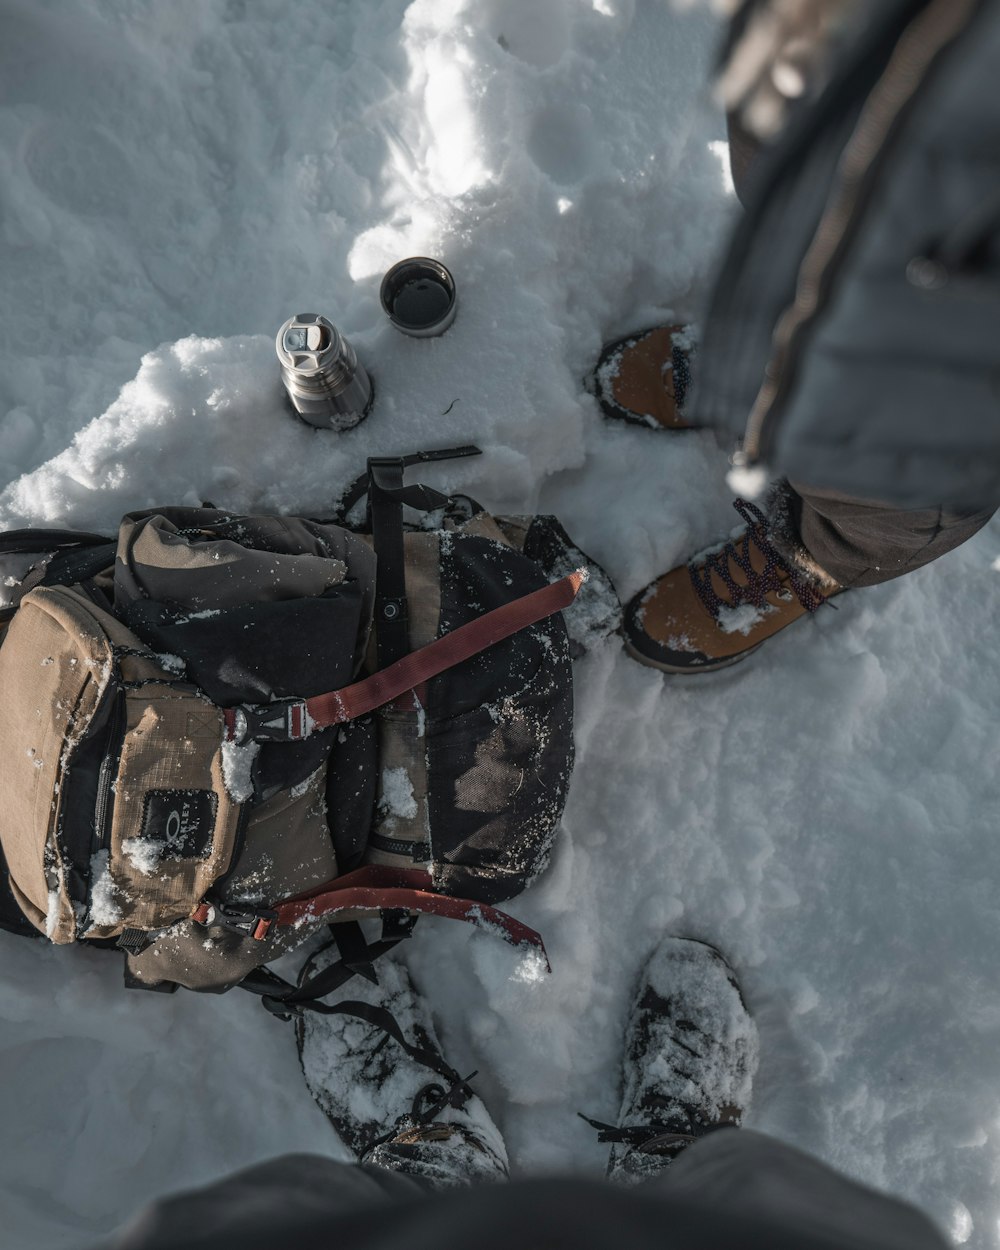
column 357, row 957
column 386, row 498
column 684, row 1127
column 358, row 489
column 354, row 951
column 386, row 1021
column 30, row 541
column 283, row 999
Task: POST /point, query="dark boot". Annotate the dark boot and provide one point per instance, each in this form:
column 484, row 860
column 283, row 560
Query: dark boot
column 690, row 1058
column 389, row 1109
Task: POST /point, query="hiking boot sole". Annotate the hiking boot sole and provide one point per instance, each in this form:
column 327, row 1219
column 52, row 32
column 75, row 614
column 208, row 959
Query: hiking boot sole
column 688, row 670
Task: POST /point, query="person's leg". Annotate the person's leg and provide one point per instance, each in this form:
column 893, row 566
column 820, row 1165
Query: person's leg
column 861, row 542
column 414, row 1129
column 804, row 546
column 759, row 1178
column 271, row 1205
column 690, row 1056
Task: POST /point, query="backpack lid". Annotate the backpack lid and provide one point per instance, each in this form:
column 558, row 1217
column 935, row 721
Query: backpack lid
column 55, row 666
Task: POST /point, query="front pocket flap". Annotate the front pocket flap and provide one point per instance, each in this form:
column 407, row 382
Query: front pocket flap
column 173, row 826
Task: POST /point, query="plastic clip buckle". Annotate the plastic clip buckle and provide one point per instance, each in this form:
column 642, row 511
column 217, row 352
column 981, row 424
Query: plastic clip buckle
column 253, row 922
column 277, row 1007
column 284, row 720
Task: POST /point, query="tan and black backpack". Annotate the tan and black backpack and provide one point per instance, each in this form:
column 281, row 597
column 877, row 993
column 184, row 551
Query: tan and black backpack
column 220, row 733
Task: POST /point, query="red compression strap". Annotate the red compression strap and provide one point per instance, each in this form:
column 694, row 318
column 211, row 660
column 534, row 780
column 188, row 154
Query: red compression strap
column 379, row 887
column 461, row 644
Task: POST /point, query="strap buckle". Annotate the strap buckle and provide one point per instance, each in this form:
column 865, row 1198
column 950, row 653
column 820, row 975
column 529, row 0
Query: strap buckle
column 253, row 922
column 278, row 1007
column 284, row 720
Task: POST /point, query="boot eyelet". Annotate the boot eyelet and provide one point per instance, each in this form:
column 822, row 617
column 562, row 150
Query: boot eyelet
column 785, row 595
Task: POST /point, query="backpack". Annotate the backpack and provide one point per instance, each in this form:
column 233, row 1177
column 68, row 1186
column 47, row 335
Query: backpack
column 220, row 733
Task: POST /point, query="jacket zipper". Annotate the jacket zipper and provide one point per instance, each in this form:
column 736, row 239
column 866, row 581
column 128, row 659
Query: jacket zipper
column 923, row 39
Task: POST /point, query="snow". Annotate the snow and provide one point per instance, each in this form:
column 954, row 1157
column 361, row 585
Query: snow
column 177, row 180
column 104, row 893
column 143, row 854
column 237, row 769
column 396, row 796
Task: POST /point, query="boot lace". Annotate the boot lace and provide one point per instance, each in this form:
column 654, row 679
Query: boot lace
column 776, row 574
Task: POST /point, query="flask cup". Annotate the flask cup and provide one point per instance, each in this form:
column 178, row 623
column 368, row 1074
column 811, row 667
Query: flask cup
column 419, row 296
column 326, row 385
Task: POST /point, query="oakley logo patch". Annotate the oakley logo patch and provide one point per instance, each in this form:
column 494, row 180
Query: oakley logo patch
column 181, row 821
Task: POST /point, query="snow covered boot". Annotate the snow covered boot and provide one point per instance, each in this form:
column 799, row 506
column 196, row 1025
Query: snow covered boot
column 375, row 1068
column 725, row 602
column 690, row 1058
column 644, row 378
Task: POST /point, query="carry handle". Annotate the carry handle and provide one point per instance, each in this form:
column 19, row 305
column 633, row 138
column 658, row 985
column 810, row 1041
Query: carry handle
column 387, row 496
column 359, row 487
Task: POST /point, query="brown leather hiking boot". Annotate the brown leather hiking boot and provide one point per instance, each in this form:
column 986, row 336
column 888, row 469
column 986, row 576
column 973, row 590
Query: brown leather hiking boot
column 723, row 604
column 644, row 377
column 689, row 1062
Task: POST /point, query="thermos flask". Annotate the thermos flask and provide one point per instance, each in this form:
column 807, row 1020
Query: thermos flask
column 326, row 385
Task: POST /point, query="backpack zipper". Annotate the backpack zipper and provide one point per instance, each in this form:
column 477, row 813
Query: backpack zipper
column 104, row 807
column 921, row 41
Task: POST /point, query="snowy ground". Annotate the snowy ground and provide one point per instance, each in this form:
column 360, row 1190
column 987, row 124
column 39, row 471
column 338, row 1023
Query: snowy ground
column 175, row 180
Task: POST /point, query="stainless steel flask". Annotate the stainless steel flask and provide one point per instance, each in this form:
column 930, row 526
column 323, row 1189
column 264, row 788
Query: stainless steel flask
column 326, row 384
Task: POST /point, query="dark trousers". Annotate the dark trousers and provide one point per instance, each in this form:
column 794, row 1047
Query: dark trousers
column 862, row 543
column 734, row 1190
column 859, row 542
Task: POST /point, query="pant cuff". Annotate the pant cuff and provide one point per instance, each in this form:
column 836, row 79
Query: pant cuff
column 783, row 508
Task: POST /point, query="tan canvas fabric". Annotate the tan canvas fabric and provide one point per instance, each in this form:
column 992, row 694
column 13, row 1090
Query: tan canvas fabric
column 172, row 749
column 483, row 525
column 201, row 958
column 287, row 848
column 56, row 668
column 156, row 560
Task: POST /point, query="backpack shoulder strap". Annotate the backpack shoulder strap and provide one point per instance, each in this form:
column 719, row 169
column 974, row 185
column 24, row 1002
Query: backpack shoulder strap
column 48, row 540
column 73, row 556
column 289, row 720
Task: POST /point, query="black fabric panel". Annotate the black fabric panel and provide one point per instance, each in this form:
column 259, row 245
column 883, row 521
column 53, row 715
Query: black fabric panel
column 499, row 732
column 280, row 765
column 258, row 651
column 69, row 567
column 11, row 917
column 351, row 789
column 477, row 575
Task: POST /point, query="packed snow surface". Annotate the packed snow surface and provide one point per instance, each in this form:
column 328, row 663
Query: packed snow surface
column 176, row 180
